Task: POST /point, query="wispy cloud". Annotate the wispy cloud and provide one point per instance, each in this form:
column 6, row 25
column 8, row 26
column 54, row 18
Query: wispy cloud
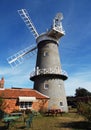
column 78, row 79
column 18, row 77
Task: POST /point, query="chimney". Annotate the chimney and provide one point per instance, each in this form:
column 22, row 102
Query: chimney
column 2, row 82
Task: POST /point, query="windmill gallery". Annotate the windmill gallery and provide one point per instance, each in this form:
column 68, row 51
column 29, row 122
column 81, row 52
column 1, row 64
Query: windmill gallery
column 48, row 76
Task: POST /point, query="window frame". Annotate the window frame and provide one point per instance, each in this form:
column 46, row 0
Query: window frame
column 61, row 104
column 45, row 53
column 25, row 105
column 46, row 86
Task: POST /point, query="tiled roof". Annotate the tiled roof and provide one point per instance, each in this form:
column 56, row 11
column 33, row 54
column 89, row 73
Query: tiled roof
column 15, row 93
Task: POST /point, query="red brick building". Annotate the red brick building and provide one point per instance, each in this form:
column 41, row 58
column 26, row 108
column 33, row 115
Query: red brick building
column 23, row 98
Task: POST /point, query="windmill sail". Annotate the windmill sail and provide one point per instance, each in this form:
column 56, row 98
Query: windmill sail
column 18, row 58
column 25, row 16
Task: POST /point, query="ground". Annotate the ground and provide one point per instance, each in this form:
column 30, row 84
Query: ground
column 66, row 121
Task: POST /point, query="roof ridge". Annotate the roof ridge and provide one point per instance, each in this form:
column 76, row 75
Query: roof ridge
column 14, row 93
column 41, row 93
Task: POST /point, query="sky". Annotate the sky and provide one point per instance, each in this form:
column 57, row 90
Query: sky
column 74, row 48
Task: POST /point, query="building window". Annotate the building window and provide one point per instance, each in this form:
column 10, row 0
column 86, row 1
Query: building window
column 61, row 103
column 46, row 86
column 25, row 105
column 45, row 53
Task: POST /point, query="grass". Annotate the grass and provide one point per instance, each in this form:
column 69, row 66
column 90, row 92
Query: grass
column 68, row 121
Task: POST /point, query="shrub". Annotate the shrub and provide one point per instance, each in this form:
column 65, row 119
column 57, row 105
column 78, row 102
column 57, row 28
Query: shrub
column 85, row 110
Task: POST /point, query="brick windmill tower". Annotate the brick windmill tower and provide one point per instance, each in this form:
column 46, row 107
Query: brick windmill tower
column 48, row 76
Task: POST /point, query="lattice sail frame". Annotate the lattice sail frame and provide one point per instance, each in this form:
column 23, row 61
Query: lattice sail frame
column 25, row 16
column 19, row 57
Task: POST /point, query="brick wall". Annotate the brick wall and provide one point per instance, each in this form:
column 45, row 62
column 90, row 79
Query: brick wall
column 11, row 105
column 40, row 105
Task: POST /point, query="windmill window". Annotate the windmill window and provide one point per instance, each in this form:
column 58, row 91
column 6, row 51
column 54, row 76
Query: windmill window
column 46, row 86
column 60, row 86
column 61, row 103
column 45, row 53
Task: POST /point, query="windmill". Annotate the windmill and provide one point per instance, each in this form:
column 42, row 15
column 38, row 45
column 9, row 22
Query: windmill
column 48, row 76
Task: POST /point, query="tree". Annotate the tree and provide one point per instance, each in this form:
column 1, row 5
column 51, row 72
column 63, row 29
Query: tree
column 71, row 101
column 82, row 92
column 83, row 97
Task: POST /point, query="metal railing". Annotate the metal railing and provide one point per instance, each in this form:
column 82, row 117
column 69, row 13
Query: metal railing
column 51, row 70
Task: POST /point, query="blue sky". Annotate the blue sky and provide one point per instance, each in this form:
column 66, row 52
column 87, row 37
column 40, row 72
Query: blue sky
column 75, row 48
